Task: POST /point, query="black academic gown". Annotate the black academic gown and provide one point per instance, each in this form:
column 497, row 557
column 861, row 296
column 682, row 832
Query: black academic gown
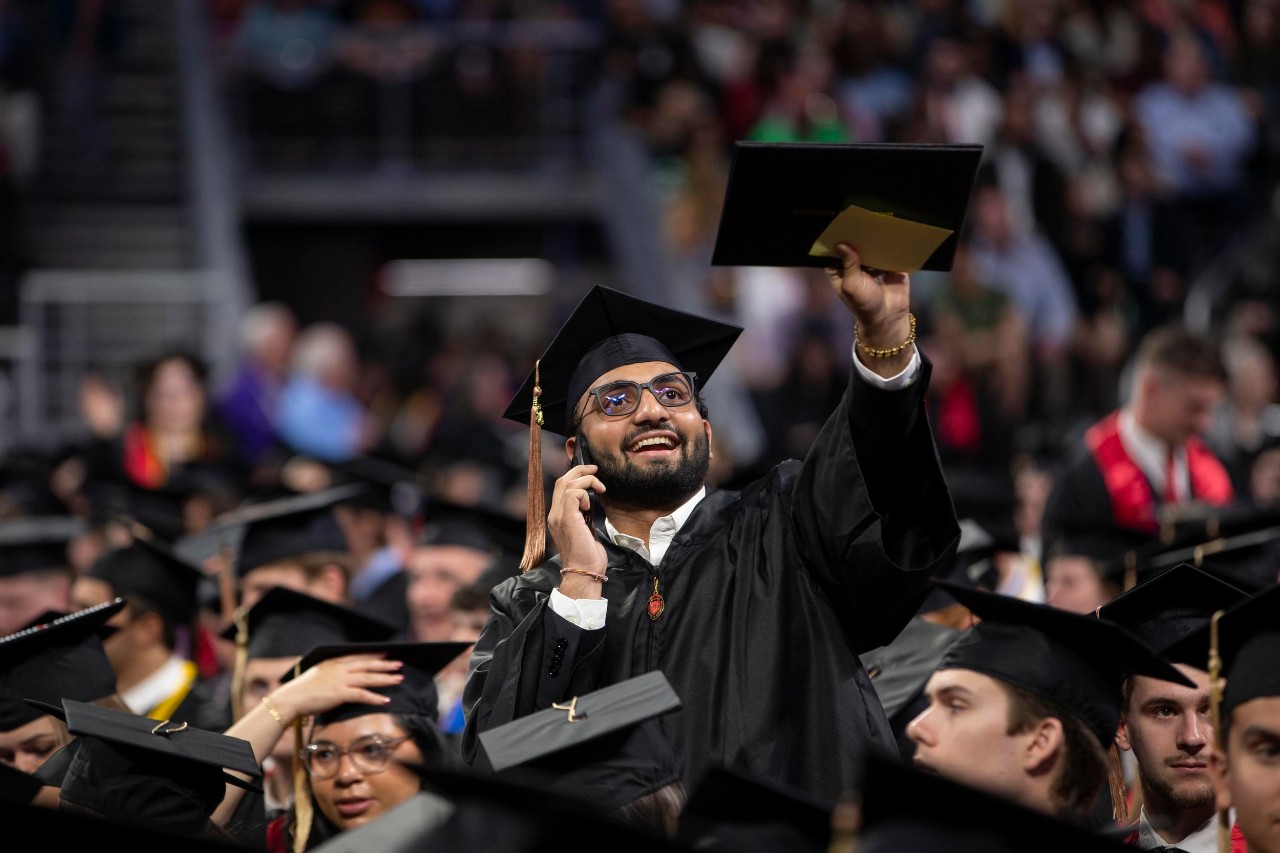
column 770, row 593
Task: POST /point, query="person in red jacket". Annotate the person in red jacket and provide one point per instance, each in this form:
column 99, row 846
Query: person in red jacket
column 1146, row 460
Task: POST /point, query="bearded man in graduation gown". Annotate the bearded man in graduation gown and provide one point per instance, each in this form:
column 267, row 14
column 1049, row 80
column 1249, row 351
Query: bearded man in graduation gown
column 755, row 604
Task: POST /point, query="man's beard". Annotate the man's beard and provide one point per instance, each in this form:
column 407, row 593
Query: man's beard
column 1187, row 795
column 664, row 486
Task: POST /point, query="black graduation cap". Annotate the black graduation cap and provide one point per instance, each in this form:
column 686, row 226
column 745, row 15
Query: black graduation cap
column 415, row 695
column 49, row 662
column 494, row 812
column 901, row 205
column 729, row 810
column 162, row 774
column 1171, row 606
column 1242, row 548
column 1078, row 662
column 386, row 486
column 17, row 787
column 1249, row 647
column 401, row 829
column 290, row 527
column 287, row 623
column 604, row 747
column 66, row 831
column 971, row 567
column 610, row 329
column 905, row 810
column 148, row 569
column 32, row 544
column 478, row 527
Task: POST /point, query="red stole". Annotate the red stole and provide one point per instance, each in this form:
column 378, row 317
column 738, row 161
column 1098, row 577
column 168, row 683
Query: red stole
column 1133, row 503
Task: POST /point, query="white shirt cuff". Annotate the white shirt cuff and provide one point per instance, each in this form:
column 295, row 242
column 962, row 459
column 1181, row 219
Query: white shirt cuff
column 893, row 383
column 586, row 613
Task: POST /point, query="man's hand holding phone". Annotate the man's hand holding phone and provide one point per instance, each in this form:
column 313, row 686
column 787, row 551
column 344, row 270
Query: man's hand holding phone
column 569, row 522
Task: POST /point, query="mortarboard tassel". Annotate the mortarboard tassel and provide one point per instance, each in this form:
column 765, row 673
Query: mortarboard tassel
column 1215, row 708
column 302, row 807
column 535, row 536
column 241, row 661
column 1119, row 793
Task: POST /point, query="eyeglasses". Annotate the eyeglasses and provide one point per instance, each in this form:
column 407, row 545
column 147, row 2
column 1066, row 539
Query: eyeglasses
column 369, row 754
column 623, row 397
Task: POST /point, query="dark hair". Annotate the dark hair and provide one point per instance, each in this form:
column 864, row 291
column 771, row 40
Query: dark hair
column 1082, row 772
column 140, row 605
column 145, row 376
column 1181, row 351
column 658, row 811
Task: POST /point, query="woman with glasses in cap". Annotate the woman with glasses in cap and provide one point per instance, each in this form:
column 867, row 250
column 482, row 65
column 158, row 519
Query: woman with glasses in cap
column 375, row 710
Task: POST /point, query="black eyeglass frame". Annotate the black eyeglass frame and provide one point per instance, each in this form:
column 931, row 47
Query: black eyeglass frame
column 596, row 393
column 350, row 750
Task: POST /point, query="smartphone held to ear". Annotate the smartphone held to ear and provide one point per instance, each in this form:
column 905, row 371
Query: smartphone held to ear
column 582, row 457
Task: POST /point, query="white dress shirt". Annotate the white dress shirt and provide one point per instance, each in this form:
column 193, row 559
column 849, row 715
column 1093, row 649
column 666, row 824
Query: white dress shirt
column 1203, row 840
column 156, row 687
column 589, row 613
column 1150, row 454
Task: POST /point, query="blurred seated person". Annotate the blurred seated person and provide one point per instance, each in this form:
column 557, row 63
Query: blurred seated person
column 320, row 414
column 250, row 404
column 470, row 610
column 174, row 447
column 35, row 568
column 452, row 555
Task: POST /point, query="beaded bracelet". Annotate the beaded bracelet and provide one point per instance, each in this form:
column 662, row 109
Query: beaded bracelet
column 873, row 352
column 595, row 577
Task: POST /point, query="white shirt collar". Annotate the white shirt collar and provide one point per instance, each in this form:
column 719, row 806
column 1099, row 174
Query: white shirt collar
column 661, row 533
column 156, row 687
column 1148, row 451
column 1203, row 840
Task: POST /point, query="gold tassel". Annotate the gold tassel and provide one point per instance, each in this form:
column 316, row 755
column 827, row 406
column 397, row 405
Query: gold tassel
column 241, row 661
column 1215, row 708
column 535, row 536
column 302, row 807
column 1119, row 793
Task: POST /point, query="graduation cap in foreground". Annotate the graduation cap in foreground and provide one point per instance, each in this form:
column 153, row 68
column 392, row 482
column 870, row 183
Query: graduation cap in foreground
column 1171, row 606
column 290, row 527
column 33, row 544
column 789, row 204
column 415, row 695
column 730, row 810
column 165, row 775
column 604, row 747
column 608, row 329
column 17, row 787
column 904, row 810
column 61, row 659
column 1077, row 662
column 64, row 830
column 399, row 830
column 148, row 569
column 495, row 812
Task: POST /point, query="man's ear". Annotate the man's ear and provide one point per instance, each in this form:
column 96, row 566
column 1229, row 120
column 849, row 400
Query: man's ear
column 1043, row 746
column 570, row 445
column 331, row 583
column 1219, row 774
column 706, row 425
column 151, row 624
column 1122, row 735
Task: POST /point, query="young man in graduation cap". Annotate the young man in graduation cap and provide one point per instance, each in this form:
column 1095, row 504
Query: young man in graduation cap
column 1025, row 705
column 35, row 569
column 1167, row 726
column 1245, row 761
column 755, row 604
column 148, row 651
column 294, row 542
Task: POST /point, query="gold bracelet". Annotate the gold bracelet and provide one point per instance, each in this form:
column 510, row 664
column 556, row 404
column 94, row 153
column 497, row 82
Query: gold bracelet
column 274, row 712
column 595, row 577
column 892, row 351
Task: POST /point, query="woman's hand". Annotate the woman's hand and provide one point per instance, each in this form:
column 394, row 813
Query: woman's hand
column 334, row 682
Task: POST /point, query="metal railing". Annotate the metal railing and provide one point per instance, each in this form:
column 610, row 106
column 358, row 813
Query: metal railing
column 419, row 99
